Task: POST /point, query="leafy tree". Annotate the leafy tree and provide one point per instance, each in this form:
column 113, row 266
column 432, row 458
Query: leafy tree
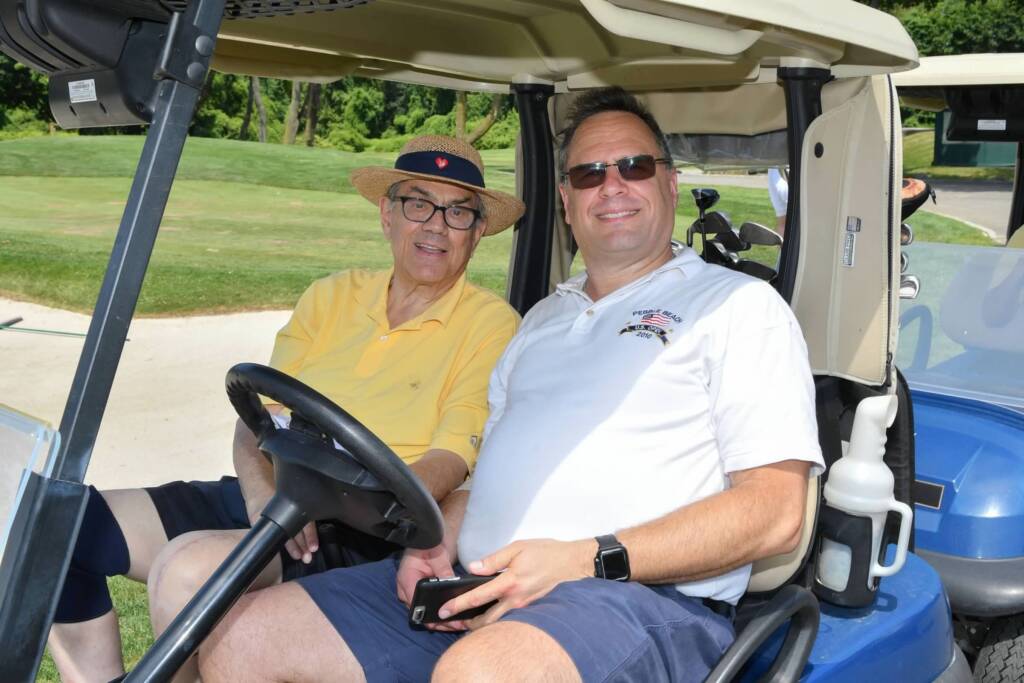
column 221, row 108
column 22, row 90
column 312, row 113
column 949, row 27
column 364, row 109
column 291, row 119
column 483, row 124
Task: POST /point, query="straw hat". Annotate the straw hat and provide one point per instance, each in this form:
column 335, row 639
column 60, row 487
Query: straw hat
column 441, row 159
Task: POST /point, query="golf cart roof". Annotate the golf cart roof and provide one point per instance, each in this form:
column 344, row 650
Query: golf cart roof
column 974, row 69
column 642, row 44
column 924, row 86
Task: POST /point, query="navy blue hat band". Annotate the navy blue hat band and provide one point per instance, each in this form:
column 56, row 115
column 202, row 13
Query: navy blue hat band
column 441, row 164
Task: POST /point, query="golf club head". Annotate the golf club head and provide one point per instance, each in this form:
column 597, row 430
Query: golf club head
column 704, row 198
column 906, row 235
column 719, row 226
column 755, row 233
column 755, row 269
column 718, row 254
column 903, row 261
column 717, row 222
column 694, row 229
column 910, row 287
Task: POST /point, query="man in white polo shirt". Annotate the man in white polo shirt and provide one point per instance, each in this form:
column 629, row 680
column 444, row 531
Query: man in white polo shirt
column 651, row 432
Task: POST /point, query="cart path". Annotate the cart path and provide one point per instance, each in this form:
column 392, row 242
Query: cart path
column 982, row 203
column 168, row 416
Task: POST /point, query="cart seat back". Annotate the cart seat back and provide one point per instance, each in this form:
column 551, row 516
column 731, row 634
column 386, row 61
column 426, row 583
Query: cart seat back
column 774, row 572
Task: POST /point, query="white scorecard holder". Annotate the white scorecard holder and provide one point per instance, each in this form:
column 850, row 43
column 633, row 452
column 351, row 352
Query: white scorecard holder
column 26, row 445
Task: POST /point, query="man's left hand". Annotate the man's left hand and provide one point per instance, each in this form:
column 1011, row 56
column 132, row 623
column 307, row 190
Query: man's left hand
column 529, row 570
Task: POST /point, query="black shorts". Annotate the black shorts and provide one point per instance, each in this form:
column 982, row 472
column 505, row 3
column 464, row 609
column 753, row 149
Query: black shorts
column 205, row 505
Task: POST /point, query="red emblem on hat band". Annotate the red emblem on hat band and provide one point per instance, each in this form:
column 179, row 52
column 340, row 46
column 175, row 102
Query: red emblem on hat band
column 441, row 162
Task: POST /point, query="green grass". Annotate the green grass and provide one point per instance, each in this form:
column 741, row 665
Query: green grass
column 247, row 226
column 293, row 167
column 929, row 227
column 133, row 618
column 223, row 245
column 918, row 157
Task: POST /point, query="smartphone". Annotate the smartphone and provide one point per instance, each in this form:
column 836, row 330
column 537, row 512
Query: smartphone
column 431, row 594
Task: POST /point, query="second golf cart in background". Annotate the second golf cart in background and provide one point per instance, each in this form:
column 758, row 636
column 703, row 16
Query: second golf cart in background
column 962, row 350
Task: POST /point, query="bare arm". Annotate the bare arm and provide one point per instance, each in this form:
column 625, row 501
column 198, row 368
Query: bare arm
column 454, row 510
column 761, row 515
column 256, row 479
column 254, row 471
column 441, row 472
column 436, row 561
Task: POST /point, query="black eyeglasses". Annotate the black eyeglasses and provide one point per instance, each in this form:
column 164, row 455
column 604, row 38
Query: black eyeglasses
column 456, row 217
column 639, row 167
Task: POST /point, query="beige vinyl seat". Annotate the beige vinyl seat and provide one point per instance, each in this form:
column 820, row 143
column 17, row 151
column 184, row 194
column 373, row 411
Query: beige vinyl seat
column 772, row 573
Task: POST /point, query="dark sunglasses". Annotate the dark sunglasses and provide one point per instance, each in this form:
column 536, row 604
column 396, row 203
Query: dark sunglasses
column 639, row 167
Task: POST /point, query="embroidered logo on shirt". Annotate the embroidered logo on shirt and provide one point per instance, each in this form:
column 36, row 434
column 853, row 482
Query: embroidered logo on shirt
column 651, row 322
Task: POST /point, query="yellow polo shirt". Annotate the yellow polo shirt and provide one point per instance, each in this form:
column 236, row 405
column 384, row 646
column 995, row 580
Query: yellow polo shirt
column 419, row 386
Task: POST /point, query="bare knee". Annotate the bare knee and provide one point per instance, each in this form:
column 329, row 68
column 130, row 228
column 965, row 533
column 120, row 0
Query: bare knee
column 506, row 651
column 179, row 571
column 140, row 525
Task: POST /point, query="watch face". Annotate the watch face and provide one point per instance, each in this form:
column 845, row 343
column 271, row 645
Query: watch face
column 615, row 564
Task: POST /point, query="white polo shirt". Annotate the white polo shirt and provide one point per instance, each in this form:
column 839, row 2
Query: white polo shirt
column 607, row 415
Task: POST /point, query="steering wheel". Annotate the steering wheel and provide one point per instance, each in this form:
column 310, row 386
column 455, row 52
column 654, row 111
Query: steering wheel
column 363, row 483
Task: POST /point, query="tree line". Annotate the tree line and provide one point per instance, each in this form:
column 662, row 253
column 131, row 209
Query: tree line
column 352, row 114
column 357, row 114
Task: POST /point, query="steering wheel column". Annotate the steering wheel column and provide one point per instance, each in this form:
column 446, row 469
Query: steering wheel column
column 362, row 483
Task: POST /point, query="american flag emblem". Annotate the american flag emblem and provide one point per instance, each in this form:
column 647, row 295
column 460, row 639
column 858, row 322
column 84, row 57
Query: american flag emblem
column 658, row 319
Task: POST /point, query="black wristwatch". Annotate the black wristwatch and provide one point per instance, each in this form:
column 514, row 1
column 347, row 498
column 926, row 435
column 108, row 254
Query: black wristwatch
column 611, row 561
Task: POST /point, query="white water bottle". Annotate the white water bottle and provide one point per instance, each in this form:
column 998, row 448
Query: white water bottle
column 860, row 489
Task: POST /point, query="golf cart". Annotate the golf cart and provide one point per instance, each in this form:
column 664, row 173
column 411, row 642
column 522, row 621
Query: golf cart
column 743, row 68
column 961, row 345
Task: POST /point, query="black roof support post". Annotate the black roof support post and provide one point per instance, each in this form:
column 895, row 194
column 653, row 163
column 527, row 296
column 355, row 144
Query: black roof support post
column 531, row 269
column 46, row 524
column 802, row 87
column 1017, row 202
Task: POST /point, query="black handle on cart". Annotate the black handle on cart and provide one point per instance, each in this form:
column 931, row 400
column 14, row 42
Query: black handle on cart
column 792, row 603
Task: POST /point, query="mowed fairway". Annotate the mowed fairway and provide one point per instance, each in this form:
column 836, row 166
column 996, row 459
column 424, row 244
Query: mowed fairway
column 248, row 226
column 223, row 245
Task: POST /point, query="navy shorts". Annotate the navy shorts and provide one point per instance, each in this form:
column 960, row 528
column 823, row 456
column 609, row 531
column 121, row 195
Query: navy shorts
column 612, row 631
column 218, row 505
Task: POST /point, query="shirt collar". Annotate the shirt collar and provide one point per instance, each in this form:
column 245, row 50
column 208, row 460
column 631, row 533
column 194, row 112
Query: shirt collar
column 374, row 298
column 442, row 309
column 686, row 261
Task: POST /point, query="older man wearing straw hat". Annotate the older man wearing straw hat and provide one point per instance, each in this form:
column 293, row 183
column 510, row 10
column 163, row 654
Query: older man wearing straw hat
column 408, row 352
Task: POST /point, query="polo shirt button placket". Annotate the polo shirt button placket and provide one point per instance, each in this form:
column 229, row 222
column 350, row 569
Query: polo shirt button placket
column 584, row 322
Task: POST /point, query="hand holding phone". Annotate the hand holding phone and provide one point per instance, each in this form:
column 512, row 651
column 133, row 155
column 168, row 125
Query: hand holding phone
column 432, row 593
